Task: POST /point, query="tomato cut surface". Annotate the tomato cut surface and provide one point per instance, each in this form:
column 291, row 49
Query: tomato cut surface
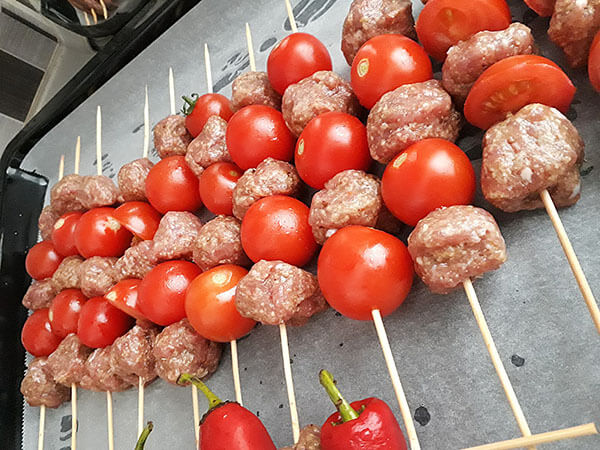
column 124, row 296
column 172, row 186
column 140, row 218
column 63, row 233
column 64, row 311
column 37, row 336
column 42, row 260
column 98, row 233
column 202, row 108
column 594, row 63
column 100, row 323
column 216, row 187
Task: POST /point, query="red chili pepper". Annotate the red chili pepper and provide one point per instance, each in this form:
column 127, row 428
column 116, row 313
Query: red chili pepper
column 367, row 423
column 228, row 425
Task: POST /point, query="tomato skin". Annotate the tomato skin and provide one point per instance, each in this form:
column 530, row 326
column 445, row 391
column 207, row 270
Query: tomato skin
column 207, row 105
column 296, row 57
column 100, row 323
column 276, row 228
column 63, row 233
column 594, row 63
column 329, row 144
column 98, row 233
column 37, row 336
column 124, row 296
column 210, row 304
column 172, row 186
column 216, row 187
column 140, row 218
column 161, row 294
column 428, row 175
column 64, row 311
column 543, row 8
column 518, row 81
column 42, row 260
column 361, row 269
column 386, row 62
column 256, row 132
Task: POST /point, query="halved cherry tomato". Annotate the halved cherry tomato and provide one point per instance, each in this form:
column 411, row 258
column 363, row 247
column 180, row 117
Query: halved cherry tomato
column 361, row 269
column 42, row 260
column 216, row 187
column 64, row 311
column 201, row 108
column 210, row 304
column 98, row 233
column 296, row 57
column 100, row 323
column 329, row 144
column 543, row 8
column 138, row 217
column 514, row 82
column 172, row 186
column 124, row 296
column 427, row 175
column 443, row 23
column 63, row 233
column 386, row 62
column 37, row 336
column 594, row 63
column 256, row 132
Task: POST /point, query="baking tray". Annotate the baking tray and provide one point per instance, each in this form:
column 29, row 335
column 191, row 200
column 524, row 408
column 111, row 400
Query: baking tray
column 533, row 306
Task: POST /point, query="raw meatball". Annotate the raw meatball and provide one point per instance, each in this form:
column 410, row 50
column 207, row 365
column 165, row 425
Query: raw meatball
column 131, row 355
column 67, row 362
column 275, row 292
column 254, row 88
column 322, row 92
column 171, row 137
column 101, row 374
column 176, row 235
column 132, row 179
column 40, row 294
column 65, row 195
column 39, row 388
column 219, row 242
column 98, row 191
column 452, row 245
column 68, row 274
column 48, row 218
column 179, row 349
column 310, row 439
column 535, row 149
column 370, row 18
column 209, row 146
column 271, row 177
column 137, row 261
column 98, row 275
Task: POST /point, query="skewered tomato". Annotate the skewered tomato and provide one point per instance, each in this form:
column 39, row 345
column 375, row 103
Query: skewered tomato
column 543, row 8
column 124, row 296
column 100, row 323
column 37, row 336
column 63, row 233
column 42, row 260
column 386, row 62
column 216, row 187
column 138, row 217
column 172, row 186
column 199, row 109
column 594, row 63
column 64, row 311
column 98, row 233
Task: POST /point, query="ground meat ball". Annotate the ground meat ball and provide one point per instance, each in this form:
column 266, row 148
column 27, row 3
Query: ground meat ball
column 68, row 274
column 535, row 149
column 275, row 292
column 137, row 261
column 171, row 137
column 310, row 439
column 132, row 357
column 38, row 386
column 48, row 218
column 209, row 146
column 67, row 362
column 469, row 59
column 387, row 222
column 254, row 88
column 271, row 177
column 409, row 114
column 322, row 92
column 179, row 349
column 370, row 18
column 101, row 374
column 176, row 235
column 98, row 191
column 40, row 294
column 132, row 179
column 219, row 242
column 65, row 195
column 98, row 275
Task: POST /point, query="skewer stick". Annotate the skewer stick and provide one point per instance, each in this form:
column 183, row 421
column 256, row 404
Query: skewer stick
column 209, row 83
column 172, row 91
column 250, row 48
column 94, row 16
column 290, row 13
column 42, row 427
column 289, row 381
column 61, row 167
column 99, row 141
column 104, row 10
column 87, row 19
column 73, row 416
column 140, row 406
column 584, row 287
column 236, row 372
column 109, row 415
column 146, row 130
column 77, row 155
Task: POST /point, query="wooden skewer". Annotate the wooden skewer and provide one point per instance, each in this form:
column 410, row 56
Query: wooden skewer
column 209, row 83
column 290, row 13
column 77, row 155
column 140, row 406
column 146, row 130
column 73, row 416
column 289, row 381
column 87, row 19
column 94, row 16
column 42, row 427
column 61, row 167
column 104, row 10
column 109, row 415
column 250, row 48
column 172, row 91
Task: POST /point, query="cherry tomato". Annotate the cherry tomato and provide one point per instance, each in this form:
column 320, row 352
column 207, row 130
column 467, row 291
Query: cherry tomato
column 216, row 187
column 63, row 233
column 138, row 217
column 361, row 269
column 64, row 311
column 37, row 336
column 42, row 260
column 124, row 296
column 161, row 294
column 296, row 57
column 514, row 82
column 202, row 108
column 443, row 23
column 256, row 132
column 276, row 228
column 386, row 62
column 594, row 63
column 429, row 174
column 329, row 144
column 98, row 233
column 210, row 304
column 543, row 8
column 172, row 186
column 100, row 323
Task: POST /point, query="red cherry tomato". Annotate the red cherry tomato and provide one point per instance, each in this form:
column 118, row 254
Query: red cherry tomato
column 161, row 294
column 514, row 82
column 594, row 63
column 386, row 62
column 361, row 269
column 296, row 57
column 256, row 132
column 124, row 296
column 429, row 174
column 98, row 233
column 443, row 23
column 138, row 217
column 100, row 323
column 64, row 311
column 172, row 186
column 543, row 8
column 37, row 336
column 329, row 144
column 42, row 260
column 216, row 187
column 276, row 228
column 203, row 107
column 210, row 304
column 63, row 233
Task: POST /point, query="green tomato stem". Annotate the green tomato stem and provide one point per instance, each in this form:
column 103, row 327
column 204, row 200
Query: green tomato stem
column 143, row 436
column 346, row 411
column 213, row 400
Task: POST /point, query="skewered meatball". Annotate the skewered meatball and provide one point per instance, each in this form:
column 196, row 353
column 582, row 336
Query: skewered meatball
column 310, row 439
column 65, row 195
column 451, row 245
column 39, row 388
column 254, row 88
column 137, row 261
column 48, row 218
column 209, row 146
column 176, row 235
column 132, row 179
column 131, row 354
column 98, row 191
column 171, row 137
column 98, row 275
column 537, row 148
column 219, row 242
column 67, row 362
column 68, row 274
column 101, row 375
column 40, row 294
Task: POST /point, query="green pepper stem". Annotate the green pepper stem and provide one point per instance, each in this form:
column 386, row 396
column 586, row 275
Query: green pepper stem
column 213, row 400
column 346, row 411
column 143, row 436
